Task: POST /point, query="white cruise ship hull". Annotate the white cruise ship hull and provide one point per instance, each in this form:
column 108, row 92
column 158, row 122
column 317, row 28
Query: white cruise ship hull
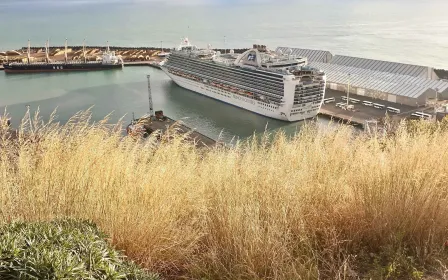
column 262, row 108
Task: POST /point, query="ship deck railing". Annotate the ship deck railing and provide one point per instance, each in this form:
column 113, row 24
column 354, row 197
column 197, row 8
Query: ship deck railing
column 236, row 85
column 242, row 77
column 250, row 73
column 253, row 71
column 278, row 71
column 277, row 100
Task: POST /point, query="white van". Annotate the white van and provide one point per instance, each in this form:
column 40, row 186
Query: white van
column 378, row 106
column 420, row 115
column 367, row 103
column 329, row 100
column 355, row 101
column 393, row 110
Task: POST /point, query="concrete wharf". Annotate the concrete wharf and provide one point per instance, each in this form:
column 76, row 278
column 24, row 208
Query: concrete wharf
column 167, row 127
column 154, row 64
column 363, row 113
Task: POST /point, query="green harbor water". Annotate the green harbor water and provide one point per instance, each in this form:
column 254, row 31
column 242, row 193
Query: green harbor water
column 124, row 92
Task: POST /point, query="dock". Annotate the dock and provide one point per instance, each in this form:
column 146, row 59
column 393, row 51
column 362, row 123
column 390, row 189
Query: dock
column 141, row 56
column 361, row 113
column 166, row 128
column 154, row 64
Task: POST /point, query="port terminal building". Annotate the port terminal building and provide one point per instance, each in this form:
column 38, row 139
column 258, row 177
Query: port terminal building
column 400, row 83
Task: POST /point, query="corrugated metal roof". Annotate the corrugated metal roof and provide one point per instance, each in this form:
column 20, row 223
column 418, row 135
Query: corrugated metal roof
column 397, row 84
column 311, row 55
column 383, row 66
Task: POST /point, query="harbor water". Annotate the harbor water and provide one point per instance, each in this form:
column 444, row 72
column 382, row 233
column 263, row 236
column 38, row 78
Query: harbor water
column 123, row 92
column 403, row 31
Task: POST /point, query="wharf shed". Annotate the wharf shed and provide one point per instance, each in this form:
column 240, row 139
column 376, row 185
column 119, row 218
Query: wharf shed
column 386, row 66
column 398, row 88
column 311, row 55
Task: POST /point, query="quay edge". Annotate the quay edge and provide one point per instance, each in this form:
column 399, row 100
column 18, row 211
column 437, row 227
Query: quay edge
column 159, row 123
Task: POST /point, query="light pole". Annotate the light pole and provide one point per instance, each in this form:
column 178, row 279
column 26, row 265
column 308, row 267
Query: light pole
column 151, row 110
column 435, row 103
column 348, row 89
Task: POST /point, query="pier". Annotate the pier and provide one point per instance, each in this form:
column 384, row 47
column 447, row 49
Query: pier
column 361, row 113
column 166, row 128
column 154, row 63
column 131, row 56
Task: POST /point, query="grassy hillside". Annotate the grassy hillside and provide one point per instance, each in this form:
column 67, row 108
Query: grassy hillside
column 328, row 205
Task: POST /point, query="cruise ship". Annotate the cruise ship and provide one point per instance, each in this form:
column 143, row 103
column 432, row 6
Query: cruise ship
column 108, row 61
column 273, row 84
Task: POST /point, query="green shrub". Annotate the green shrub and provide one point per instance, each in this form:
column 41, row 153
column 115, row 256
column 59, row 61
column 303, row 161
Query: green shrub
column 65, row 249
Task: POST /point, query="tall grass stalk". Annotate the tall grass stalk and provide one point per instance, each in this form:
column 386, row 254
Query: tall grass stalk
column 328, row 205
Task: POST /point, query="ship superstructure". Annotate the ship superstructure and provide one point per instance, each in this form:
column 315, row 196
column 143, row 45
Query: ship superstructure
column 275, row 85
column 108, row 61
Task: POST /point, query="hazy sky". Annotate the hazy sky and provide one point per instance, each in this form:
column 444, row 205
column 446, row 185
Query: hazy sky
column 176, row 2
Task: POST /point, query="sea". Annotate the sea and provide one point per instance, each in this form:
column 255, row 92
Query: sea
column 406, row 31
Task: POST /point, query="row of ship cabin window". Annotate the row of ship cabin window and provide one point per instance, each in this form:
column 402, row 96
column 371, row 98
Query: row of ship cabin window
column 298, row 110
column 272, row 106
column 309, row 111
column 262, row 104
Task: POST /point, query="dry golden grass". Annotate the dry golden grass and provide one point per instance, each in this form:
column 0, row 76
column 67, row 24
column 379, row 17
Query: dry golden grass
column 327, row 205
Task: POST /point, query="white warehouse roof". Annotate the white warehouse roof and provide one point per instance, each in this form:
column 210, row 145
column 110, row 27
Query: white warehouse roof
column 311, row 55
column 402, row 85
column 384, row 66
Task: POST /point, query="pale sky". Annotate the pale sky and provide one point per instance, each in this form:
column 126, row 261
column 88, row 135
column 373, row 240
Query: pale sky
column 180, row 2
